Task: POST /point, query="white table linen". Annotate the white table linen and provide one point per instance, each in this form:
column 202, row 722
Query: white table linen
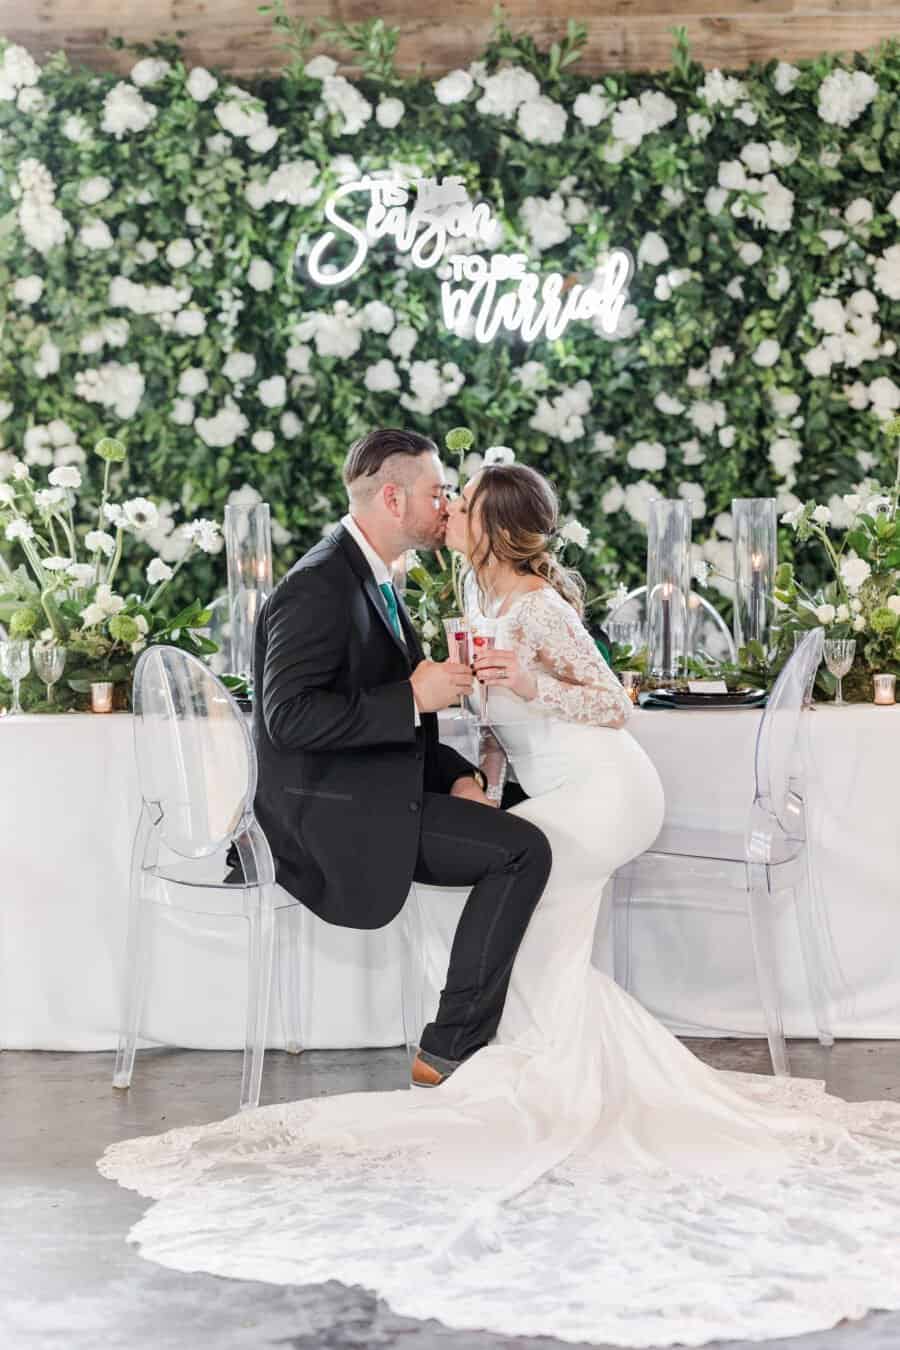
column 68, row 807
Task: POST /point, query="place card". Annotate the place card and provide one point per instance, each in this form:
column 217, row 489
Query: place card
column 707, row 686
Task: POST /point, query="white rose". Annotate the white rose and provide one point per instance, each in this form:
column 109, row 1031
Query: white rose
column 859, row 624
column 149, row 71
column 822, row 515
column 698, row 126
column 453, row 88
column 649, row 455
column 844, row 96
column 574, row 533
column 826, row 614
column 652, row 249
column 612, row 500
column 542, row 121
column 593, row 107
column 256, row 195
column 94, row 234
column 125, row 111
column 179, row 253
column 785, row 77
column 320, row 68
column 784, row 453
column 757, row 158
column 200, row 84
column 272, row 392
column 378, row 316
column 893, row 604
column 94, row 190
column 381, row 377
column 854, row 572
column 402, row 341
column 193, row 381
column 261, row 274
column 239, row 366
column 389, row 112
column 183, row 412
column 92, row 615
column 715, row 200
column 749, row 253
column 827, row 314
column 48, row 360
column 843, row 614
column 290, row 425
column 732, row 175
column 261, row 141
column 190, row 322
column 767, row 353
column 263, row 441
column 859, row 212
column 28, row 290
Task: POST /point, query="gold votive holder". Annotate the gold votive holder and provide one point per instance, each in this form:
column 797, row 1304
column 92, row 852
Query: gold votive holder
column 631, row 683
column 885, row 689
column 102, row 696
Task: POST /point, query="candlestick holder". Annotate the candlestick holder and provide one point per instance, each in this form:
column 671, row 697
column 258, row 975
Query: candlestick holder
column 668, row 585
column 248, row 548
column 755, row 550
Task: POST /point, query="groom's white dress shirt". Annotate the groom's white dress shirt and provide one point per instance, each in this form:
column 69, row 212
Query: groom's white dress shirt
column 380, row 571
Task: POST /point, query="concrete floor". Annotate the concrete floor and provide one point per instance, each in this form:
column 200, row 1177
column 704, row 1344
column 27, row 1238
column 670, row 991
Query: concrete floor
column 69, row 1282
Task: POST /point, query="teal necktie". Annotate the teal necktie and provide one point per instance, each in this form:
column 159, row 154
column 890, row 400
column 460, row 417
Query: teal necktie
column 390, row 600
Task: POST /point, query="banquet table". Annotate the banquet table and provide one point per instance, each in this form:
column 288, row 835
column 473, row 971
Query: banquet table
column 68, row 808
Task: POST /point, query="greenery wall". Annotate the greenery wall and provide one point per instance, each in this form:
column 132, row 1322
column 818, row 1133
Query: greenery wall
column 150, row 225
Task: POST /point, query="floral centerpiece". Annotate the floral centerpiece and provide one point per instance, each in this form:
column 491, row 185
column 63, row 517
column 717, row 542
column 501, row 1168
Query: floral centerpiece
column 861, row 600
column 64, row 593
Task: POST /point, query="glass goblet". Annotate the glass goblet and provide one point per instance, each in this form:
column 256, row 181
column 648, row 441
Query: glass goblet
column 484, row 639
column 49, row 661
column 839, row 654
column 15, row 663
column 625, row 633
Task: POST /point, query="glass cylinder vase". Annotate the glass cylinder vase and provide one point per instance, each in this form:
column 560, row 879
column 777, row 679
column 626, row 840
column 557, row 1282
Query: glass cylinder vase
column 668, row 586
column 248, row 548
column 755, row 547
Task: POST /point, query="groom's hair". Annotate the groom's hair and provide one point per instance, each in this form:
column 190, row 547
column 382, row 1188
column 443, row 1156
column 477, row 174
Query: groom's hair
column 384, row 456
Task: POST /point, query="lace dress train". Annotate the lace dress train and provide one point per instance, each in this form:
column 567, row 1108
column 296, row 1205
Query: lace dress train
column 584, row 1176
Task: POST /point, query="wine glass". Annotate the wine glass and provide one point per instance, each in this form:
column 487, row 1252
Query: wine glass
column 15, row 663
column 49, row 661
column 456, row 629
column 484, row 638
column 839, row 654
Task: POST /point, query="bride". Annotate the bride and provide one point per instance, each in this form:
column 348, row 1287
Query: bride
column 584, row 1176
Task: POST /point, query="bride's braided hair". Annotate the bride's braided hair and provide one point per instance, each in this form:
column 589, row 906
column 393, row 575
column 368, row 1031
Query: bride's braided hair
column 519, row 520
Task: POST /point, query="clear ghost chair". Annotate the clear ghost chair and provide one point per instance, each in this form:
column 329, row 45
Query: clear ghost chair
column 772, row 857
column 708, row 633
column 218, row 630
column 197, row 773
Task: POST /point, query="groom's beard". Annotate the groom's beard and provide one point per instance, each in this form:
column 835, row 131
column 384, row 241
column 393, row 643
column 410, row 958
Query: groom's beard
column 428, row 535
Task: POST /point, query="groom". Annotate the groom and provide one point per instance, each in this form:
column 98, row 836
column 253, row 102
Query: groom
column 357, row 795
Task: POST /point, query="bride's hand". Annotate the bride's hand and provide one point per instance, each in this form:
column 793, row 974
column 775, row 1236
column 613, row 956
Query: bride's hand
column 504, row 668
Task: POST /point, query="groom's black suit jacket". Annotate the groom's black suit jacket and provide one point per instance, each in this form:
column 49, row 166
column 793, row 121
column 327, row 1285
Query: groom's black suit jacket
column 342, row 766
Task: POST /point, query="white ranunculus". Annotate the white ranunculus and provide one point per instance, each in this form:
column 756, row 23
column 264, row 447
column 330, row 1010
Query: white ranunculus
column 239, row 366
column 541, row 121
column 844, row 96
column 652, row 250
column 454, row 87
column 826, row 614
column 593, row 107
column 381, row 377
column 749, row 253
column 125, row 111
column 179, row 253
column 647, row 455
column 158, row 571
column 149, row 71
column 183, row 412
column 767, row 353
column 320, row 68
column 94, row 234
column 402, row 341
column 389, row 112
column 785, row 77
column 261, row 274
column 65, row 478
column 263, row 441
column 28, row 290
column 190, row 322
column 200, row 84
column 272, row 392
column 854, row 572
column 91, row 615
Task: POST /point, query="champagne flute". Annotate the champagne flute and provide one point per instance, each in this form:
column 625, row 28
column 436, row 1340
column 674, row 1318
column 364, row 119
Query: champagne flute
column 15, row 663
column 456, row 629
column 49, row 660
column 839, row 654
column 484, row 639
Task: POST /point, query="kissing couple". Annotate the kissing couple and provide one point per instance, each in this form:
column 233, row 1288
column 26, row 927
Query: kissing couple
column 579, row 1173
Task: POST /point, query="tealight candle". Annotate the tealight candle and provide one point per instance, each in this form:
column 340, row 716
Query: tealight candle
column 101, row 696
column 885, row 689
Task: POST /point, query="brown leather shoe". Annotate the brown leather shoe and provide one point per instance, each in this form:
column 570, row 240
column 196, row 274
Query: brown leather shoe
column 426, row 1075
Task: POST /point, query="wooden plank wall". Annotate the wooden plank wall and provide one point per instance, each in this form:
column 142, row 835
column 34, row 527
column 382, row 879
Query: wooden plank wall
column 439, row 35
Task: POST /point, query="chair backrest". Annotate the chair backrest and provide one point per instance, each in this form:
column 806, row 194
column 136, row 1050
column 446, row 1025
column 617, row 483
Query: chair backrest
column 218, row 630
column 779, row 773
column 195, row 759
column 708, row 633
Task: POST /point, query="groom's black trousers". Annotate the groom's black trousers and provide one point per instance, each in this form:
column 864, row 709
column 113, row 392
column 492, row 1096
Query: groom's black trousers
column 506, row 861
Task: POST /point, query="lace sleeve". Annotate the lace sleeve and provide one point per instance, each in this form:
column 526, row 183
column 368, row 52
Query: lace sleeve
column 573, row 680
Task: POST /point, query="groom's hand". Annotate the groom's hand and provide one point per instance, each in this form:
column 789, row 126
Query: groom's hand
column 468, row 788
column 438, row 684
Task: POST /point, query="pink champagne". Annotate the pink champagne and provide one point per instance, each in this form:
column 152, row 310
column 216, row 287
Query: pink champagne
column 483, row 642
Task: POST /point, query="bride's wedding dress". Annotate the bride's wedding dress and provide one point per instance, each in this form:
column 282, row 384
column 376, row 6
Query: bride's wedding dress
column 584, row 1176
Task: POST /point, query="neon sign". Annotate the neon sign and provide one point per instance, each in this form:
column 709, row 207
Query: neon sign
column 471, row 302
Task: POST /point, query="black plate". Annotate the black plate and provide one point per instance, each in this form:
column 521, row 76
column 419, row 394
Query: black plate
column 669, row 698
